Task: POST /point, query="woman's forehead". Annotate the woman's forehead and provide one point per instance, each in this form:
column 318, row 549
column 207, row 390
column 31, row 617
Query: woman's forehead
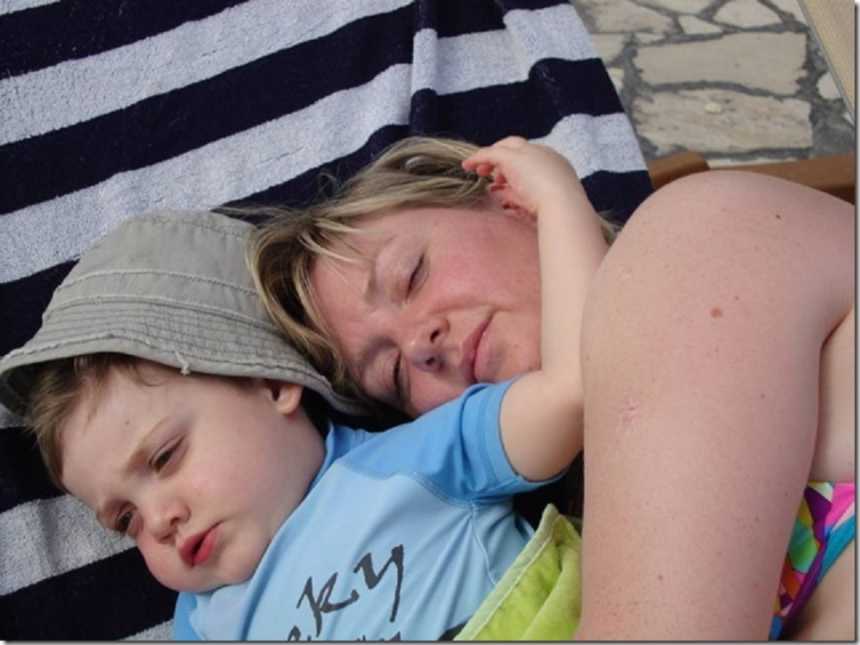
column 360, row 248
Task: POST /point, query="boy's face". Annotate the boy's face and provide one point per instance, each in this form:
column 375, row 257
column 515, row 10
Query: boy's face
column 200, row 471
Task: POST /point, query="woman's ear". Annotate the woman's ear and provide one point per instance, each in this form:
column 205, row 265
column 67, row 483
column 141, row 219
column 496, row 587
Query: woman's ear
column 286, row 396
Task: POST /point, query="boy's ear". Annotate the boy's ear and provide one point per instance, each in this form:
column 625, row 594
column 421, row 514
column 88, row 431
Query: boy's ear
column 285, row 396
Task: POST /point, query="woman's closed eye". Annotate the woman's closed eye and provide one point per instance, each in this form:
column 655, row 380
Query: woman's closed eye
column 417, row 275
column 396, row 386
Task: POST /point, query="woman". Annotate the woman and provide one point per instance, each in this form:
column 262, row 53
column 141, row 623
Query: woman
column 717, row 366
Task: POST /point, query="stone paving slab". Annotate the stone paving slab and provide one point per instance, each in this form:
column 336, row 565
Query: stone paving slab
column 758, row 61
column 707, row 121
column 737, row 80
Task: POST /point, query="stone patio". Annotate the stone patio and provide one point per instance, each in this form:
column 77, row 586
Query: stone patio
column 740, row 81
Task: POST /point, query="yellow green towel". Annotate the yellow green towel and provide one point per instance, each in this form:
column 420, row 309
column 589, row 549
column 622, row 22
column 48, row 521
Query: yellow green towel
column 538, row 598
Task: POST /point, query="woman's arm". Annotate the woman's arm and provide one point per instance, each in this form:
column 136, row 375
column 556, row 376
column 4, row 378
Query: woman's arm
column 701, row 347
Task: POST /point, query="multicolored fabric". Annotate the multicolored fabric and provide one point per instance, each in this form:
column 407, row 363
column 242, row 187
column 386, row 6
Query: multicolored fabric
column 825, row 525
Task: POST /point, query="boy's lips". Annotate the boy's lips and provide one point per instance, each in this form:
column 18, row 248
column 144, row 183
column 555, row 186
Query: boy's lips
column 197, row 548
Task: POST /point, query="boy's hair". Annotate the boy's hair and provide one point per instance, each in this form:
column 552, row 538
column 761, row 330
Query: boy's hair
column 60, row 385
column 58, row 388
column 417, row 172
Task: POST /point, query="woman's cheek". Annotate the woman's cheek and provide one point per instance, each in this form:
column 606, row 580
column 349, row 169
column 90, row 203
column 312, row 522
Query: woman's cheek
column 429, row 393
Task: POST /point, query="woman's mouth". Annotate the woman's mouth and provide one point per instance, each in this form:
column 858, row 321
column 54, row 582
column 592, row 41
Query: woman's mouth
column 474, row 353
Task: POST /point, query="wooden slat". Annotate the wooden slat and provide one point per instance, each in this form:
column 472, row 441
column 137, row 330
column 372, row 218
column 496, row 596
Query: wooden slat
column 833, row 174
column 675, row 166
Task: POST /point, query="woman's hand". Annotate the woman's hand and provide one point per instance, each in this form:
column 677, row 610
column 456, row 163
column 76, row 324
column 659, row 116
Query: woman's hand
column 528, row 175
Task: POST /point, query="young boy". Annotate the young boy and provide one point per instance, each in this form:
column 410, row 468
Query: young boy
column 163, row 398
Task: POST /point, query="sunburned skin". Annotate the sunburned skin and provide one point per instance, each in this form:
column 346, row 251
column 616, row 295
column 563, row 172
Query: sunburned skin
column 835, row 440
column 737, row 325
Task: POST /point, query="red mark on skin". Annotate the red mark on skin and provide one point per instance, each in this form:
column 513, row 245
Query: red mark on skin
column 716, row 312
column 778, row 216
column 629, row 413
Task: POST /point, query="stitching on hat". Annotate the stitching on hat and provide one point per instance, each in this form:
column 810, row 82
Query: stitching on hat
column 175, row 274
column 184, row 219
column 301, row 370
column 184, row 304
column 185, row 368
column 181, row 217
column 82, row 319
column 247, row 339
column 312, row 377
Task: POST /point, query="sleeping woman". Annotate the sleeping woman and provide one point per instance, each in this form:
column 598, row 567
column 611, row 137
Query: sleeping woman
column 716, row 369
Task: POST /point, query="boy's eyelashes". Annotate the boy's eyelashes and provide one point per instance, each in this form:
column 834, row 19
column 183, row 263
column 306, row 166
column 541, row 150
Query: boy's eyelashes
column 122, row 524
column 163, row 458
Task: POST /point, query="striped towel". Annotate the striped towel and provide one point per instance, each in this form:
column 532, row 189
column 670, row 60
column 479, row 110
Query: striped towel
column 110, row 109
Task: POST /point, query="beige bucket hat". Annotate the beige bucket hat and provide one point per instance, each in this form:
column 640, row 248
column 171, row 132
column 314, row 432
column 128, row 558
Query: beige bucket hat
column 171, row 287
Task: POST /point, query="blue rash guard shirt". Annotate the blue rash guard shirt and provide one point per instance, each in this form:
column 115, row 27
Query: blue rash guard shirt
column 401, row 536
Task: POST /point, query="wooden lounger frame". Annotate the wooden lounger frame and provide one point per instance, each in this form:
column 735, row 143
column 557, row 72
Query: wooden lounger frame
column 833, row 174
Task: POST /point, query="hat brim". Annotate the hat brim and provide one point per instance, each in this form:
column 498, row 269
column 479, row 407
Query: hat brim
column 190, row 339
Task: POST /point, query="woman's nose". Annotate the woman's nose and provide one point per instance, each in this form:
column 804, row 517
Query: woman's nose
column 425, row 349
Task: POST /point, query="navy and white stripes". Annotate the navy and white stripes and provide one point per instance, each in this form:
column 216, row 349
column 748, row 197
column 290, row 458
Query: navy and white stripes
column 111, row 109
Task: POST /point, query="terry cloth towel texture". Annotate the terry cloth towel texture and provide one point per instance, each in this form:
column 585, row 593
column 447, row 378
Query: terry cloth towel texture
column 539, row 598
column 114, row 109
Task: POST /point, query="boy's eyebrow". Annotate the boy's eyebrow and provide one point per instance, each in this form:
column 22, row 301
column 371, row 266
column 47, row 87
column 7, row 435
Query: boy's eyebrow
column 138, row 456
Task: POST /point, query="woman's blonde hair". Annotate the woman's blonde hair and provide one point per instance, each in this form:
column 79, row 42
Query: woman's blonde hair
column 417, row 172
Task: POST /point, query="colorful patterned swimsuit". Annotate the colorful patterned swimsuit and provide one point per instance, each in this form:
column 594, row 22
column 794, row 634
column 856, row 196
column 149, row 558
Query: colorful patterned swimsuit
column 825, row 525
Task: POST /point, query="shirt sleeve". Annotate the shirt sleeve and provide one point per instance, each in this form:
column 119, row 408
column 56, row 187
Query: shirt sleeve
column 182, row 629
column 455, row 448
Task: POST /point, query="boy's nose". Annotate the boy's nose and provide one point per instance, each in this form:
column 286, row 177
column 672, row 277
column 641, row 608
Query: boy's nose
column 165, row 518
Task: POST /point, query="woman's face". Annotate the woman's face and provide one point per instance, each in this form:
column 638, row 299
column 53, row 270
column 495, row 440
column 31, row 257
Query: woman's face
column 438, row 299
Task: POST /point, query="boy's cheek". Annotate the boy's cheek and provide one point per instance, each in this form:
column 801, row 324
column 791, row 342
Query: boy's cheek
column 163, row 563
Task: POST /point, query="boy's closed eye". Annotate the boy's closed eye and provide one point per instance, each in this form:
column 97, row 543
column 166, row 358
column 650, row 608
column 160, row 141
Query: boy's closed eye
column 123, row 522
column 165, row 457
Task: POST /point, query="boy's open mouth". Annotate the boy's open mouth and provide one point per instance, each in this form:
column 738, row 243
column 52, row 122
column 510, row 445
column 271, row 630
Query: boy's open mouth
column 197, row 548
